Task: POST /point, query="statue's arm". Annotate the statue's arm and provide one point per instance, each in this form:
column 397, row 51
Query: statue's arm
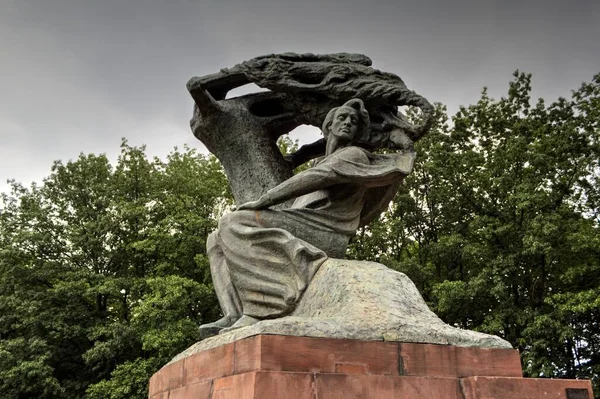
column 306, row 153
column 307, row 181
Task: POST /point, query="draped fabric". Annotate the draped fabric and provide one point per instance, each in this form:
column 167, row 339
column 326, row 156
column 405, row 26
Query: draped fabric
column 263, row 260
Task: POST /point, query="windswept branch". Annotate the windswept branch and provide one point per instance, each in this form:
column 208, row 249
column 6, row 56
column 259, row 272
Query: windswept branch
column 205, row 102
column 302, row 89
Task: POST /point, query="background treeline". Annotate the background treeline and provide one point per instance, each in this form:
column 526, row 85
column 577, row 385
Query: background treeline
column 104, row 277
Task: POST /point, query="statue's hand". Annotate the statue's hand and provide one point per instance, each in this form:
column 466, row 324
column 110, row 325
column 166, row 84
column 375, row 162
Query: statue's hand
column 400, row 140
column 261, row 203
column 289, row 158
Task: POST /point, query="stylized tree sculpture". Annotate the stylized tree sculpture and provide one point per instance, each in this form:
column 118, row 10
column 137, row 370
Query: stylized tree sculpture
column 242, row 132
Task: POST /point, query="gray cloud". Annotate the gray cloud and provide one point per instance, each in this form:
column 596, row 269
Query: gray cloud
column 77, row 75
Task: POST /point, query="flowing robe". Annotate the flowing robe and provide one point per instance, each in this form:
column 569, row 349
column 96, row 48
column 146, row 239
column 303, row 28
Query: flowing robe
column 262, row 260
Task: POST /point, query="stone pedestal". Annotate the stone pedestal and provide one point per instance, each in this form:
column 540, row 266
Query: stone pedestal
column 274, row 367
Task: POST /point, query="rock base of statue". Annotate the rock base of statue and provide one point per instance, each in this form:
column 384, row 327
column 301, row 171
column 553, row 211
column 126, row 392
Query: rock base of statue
column 359, row 300
column 287, row 367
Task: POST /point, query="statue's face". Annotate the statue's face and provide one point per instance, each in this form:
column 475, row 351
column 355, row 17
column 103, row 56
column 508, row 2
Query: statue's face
column 345, row 123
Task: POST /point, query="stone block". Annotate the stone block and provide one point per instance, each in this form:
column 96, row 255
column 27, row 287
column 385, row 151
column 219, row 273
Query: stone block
column 210, row 364
column 162, row 395
column 167, row 378
column 284, row 385
column 200, row 390
column 456, row 361
column 522, row 388
column 284, row 353
column 240, row 386
column 339, row 386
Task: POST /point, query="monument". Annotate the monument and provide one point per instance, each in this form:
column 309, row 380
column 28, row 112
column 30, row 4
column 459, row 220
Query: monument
column 298, row 319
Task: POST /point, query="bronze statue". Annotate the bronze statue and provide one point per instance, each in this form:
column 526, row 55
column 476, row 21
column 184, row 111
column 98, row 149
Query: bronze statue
column 277, row 260
column 263, row 259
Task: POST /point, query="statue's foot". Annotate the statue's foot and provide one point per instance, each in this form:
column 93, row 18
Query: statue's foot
column 214, row 328
column 244, row 321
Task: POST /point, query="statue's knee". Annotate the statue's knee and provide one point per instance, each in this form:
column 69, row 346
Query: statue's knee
column 211, row 240
column 235, row 218
column 226, row 220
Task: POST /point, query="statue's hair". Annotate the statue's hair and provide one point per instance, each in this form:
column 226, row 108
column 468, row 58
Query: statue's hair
column 363, row 118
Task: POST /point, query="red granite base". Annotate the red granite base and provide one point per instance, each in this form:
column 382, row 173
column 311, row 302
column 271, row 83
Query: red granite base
column 273, row 367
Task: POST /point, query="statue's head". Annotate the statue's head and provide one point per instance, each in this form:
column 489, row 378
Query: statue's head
column 347, row 122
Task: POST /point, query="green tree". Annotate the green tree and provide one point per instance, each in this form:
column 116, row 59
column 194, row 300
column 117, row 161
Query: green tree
column 498, row 225
column 103, row 273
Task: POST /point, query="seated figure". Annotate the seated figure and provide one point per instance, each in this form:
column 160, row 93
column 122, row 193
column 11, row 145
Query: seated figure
column 263, row 259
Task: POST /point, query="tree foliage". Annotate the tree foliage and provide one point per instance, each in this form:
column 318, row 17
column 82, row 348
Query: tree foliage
column 103, row 272
column 498, row 225
column 104, row 275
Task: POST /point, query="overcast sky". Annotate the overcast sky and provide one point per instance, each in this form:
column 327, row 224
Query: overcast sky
column 77, row 75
